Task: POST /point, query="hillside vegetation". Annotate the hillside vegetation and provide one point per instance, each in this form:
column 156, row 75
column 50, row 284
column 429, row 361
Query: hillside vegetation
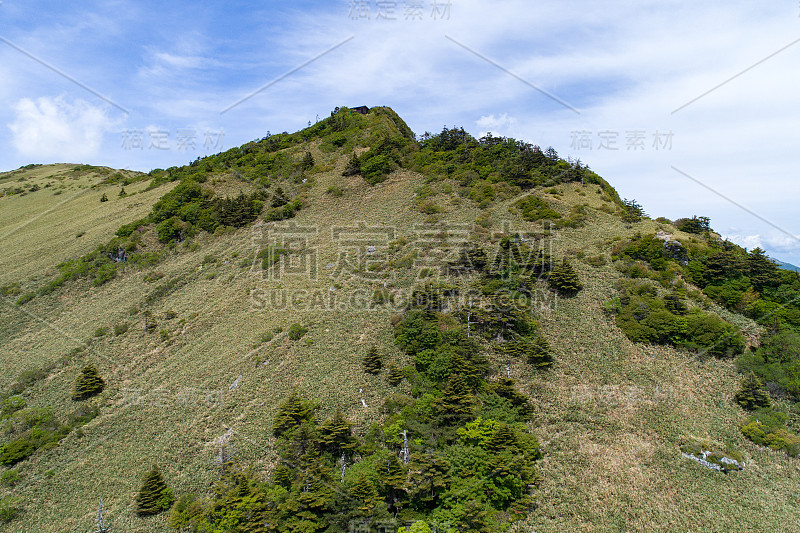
column 351, row 327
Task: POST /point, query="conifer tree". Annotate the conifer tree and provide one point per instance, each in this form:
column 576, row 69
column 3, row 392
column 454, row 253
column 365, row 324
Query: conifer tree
column 428, row 479
column 761, row 270
column 88, row 383
column 632, row 211
column 336, row 434
column 291, row 414
column 308, row 161
column 395, row 375
column 505, row 389
column 154, row 496
column 752, row 394
column 366, row 495
column 353, row 166
column 392, row 479
column 564, row 280
column 502, row 439
column 372, row 361
column 457, row 401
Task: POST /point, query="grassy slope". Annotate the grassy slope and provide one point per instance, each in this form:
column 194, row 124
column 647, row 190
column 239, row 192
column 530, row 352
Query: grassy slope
column 612, row 461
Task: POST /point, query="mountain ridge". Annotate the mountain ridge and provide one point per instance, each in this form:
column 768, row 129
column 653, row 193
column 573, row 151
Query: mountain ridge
column 610, row 414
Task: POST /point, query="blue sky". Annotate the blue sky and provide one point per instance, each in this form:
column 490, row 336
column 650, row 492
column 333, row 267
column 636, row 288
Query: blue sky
column 689, row 109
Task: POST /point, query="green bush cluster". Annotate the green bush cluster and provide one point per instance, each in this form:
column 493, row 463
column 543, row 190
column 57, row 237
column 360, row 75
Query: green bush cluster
column 776, row 362
column 296, row 331
column 767, row 427
column 478, row 163
column 533, row 208
column 644, row 316
column 28, row 430
column 383, row 157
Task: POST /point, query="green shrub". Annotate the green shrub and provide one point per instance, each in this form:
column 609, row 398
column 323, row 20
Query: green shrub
column 296, row 332
column 186, row 511
column 10, row 508
column 15, row 451
column 270, row 255
column 710, row 334
column 11, row 405
column 534, row 208
column 11, row 289
column 25, row 298
column 767, row 427
column 88, row 383
column 10, row 477
column 595, row 260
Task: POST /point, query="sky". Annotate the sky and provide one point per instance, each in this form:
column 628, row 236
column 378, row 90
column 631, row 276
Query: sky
column 689, row 108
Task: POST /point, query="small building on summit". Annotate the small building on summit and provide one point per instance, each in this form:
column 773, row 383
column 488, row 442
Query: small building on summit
column 361, row 109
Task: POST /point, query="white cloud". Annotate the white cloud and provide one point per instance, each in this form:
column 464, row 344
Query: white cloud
column 54, row 129
column 746, row 241
column 773, row 242
column 499, row 125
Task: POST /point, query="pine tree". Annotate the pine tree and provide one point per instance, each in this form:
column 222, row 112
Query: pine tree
column 336, row 434
column 308, row 161
column 392, row 478
column 122, row 192
column 395, row 375
column 505, row 389
column 563, row 279
column 291, row 414
column 104, row 198
column 632, row 211
column 502, row 439
column 372, row 361
column 752, row 395
column 428, row 479
column 457, row 401
column 88, row 383
column 761, row 270
column 154, row 496
column 353, row 166
column 366, row 495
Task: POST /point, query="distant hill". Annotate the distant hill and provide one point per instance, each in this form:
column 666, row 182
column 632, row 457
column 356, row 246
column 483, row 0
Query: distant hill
column 787, row 266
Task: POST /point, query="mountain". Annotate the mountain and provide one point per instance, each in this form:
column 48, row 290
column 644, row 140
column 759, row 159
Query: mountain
column 351, row 326
column 787, row 266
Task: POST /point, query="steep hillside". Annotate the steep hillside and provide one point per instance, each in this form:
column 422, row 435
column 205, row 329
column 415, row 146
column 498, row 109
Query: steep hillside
column 190, row 294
